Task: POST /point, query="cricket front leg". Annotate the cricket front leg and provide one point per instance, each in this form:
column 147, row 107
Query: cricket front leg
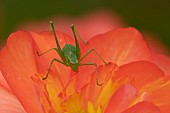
column 43, row 78
column 40, row 54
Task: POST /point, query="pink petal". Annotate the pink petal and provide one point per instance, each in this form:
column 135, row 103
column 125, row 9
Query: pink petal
column 88, row 25
column 143, row 107
column 121, row 99
column 9, row 103
column 18, row 64
column 92, row 24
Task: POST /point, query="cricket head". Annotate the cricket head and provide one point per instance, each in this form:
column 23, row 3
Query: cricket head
column 75, row 67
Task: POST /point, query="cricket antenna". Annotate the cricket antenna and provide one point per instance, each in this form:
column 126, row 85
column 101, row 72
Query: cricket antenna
column 55, row 36
column 75, row 31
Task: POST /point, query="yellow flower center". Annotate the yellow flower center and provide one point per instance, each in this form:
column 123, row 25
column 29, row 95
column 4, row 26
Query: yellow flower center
column 89, row 99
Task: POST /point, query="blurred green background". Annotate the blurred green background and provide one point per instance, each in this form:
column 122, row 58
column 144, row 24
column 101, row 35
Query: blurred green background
column 147, row 16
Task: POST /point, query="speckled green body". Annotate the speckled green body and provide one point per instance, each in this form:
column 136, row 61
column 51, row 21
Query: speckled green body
column 71, row 57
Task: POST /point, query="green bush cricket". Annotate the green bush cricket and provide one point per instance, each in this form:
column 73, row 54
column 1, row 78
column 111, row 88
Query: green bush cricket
column 70, row 55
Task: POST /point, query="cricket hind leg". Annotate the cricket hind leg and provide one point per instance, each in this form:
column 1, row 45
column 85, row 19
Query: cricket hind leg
column 43, row 78
column 97, row 76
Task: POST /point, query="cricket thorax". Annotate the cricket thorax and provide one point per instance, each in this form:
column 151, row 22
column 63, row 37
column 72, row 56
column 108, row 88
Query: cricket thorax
column 70, row 54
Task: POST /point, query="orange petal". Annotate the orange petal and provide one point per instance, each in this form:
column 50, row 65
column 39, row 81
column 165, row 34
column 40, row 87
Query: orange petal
column 96, row 93
column 141, row 72
column 163, row 62
column 83, row 76
column 119, row 46
column 9, row 103
column 159, row 93
column 18, row 64
column 121, row 99
column 143, row 107
column 3, row 82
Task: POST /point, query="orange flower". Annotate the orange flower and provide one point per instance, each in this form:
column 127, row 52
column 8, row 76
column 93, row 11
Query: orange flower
column 132, row 83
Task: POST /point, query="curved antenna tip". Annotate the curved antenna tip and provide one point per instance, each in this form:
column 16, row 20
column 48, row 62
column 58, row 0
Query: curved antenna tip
column 51, row 21
column 72, row 25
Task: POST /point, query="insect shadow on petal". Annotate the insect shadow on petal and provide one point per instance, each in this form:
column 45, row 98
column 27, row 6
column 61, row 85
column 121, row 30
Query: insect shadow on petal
column 70, row 55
